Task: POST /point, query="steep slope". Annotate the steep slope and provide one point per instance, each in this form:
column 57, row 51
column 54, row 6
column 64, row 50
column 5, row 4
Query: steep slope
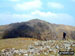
column 44, row 29
column 38, row 29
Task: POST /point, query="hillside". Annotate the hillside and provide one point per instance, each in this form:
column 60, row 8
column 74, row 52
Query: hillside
column 28, row 47
column 38, row 29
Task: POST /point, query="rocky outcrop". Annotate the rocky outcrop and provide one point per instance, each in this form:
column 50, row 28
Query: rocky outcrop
column 39, row 29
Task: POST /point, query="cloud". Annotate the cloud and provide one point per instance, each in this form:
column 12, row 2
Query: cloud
column 73, row 0
column 12, row 18
column 58, row 18
column 32, row 5
column 55, row 5
column 14, row 0
column 43, row 14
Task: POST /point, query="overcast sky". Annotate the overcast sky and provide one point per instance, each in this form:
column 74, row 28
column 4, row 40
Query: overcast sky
column 53, row 11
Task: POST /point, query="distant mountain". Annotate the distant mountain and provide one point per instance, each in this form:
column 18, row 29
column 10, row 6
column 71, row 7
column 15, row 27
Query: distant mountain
column 37, row 29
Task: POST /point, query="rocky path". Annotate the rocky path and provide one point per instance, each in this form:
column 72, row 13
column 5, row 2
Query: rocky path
column 41, row 48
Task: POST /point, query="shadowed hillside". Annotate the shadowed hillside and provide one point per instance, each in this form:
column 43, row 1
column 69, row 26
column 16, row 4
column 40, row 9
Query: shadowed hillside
column 37, row 29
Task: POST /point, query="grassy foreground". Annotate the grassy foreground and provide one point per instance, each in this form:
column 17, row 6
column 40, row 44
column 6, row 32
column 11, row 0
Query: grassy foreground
column 16, row 43
column 23, row 43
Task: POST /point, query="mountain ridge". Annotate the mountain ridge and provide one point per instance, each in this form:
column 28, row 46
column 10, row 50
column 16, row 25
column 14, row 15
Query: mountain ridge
column 39, row 29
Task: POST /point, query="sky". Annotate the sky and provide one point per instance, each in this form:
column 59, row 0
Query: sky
column 53, row 11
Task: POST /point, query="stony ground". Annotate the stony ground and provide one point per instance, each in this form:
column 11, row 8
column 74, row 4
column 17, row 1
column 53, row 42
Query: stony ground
column 33, row 47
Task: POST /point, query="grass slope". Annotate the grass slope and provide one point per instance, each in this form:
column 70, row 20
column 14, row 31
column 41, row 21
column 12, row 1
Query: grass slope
column 17, row 43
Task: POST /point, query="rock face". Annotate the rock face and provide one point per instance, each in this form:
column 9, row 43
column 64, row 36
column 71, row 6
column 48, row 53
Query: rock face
column 38, row 29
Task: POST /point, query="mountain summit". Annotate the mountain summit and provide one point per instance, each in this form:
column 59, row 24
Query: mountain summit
column 38, row 29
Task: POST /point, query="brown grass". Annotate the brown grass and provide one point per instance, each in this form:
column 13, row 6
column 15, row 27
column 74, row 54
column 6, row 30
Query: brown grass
column 17, row 43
